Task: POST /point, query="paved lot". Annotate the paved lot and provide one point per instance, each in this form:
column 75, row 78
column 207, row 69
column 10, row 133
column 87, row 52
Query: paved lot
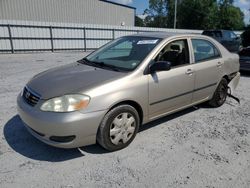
column 201, row 147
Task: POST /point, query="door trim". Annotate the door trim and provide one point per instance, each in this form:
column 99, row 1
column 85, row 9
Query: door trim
column 182, row 94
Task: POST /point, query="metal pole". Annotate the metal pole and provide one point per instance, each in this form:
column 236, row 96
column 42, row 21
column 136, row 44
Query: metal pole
column 85, row 42
column 113, row 34
column 11, row 41
column 175, row 13
column 51, row 38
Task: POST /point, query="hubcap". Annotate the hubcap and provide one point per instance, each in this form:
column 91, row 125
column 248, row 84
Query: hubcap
column 122, row 128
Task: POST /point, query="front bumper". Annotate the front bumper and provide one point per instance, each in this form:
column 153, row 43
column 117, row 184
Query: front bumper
column 47, row 125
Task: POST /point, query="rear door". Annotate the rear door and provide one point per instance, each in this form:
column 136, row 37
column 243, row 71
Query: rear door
column 207, row 64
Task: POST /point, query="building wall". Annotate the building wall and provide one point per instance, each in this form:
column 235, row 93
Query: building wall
column 69, row 11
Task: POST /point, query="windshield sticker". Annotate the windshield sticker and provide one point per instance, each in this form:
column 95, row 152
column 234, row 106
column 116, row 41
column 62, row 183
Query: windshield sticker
column 147, row 41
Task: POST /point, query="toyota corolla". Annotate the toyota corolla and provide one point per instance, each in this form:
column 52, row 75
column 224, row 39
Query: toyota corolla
column 130, row 81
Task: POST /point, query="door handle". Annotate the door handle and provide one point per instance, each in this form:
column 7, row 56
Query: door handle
column 189, row 72
column 219, row 64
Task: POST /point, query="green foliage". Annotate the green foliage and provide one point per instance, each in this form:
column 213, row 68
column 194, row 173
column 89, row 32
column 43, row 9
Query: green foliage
column 139, row 22
column 160, row 13
column 195, row 14
column 157, row 13
column 231, row 17
column 170, row 13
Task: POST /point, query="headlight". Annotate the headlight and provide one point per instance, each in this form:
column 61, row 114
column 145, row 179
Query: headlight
column 66, row 103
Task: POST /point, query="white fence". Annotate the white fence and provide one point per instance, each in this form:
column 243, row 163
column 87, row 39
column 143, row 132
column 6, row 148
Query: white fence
column 21, row 36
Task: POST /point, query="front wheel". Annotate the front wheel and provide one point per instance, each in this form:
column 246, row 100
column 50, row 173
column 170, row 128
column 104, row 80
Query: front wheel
column 220, row 94
column 118, row 128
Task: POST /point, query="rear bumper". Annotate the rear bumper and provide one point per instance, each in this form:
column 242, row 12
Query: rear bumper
column 234, row 82
column 46, row 126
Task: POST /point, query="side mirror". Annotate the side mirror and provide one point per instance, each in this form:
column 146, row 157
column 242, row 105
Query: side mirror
column 160, row 66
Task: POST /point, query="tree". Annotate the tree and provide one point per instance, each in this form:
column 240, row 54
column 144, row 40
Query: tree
column 195, row 14
column 139, row 22
column 170, row 12
column 211, row 20
column 192, row 14
column 158, row 13
column 231, row 17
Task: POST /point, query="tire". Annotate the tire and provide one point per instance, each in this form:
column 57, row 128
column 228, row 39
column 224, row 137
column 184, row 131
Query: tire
column 118, row 128
column 220, row 94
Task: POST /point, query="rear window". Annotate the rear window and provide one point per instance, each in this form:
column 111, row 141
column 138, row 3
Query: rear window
column 204, row 50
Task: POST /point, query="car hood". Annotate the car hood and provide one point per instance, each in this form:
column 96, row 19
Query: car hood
column 72, row 78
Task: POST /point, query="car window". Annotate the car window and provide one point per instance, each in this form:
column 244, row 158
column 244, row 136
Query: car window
column 227, row 35
column 204, row 50
column 175, row 52
column 233, row 35
column 218, row 34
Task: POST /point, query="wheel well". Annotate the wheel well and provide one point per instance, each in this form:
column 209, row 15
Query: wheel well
column 134, row 104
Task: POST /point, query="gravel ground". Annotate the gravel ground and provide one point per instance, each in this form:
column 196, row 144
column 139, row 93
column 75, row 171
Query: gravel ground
column 201, row 147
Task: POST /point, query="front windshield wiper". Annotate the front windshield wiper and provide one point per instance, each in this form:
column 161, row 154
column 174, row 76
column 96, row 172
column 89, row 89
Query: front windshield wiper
column 84, row 61
column 99, row 64
column 113, row 67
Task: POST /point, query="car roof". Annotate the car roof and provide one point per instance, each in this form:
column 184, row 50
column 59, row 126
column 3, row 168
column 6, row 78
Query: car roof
column 164, row 35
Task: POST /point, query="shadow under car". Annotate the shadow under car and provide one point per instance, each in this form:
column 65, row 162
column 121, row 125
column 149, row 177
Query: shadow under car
column 21, row 141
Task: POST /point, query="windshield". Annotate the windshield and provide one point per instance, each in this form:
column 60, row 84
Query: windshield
column 125, row 53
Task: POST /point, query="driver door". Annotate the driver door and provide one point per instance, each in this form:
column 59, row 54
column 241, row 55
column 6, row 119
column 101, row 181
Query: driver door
column 173, row 89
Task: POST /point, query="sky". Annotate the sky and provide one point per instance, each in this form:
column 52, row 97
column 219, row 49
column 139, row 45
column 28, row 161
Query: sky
column 141, row 5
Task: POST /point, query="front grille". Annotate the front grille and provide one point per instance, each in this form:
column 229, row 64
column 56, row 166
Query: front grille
column 30, row 97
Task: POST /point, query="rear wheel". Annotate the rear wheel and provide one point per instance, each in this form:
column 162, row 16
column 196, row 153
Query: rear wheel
column 220, row 94
column 118, row 128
